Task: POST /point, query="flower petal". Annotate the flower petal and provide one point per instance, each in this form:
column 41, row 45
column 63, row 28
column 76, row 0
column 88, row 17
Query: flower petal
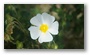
column 54, row 28
column 48, row 19
column 45, row 37
column 37, row 20
column 34, row 31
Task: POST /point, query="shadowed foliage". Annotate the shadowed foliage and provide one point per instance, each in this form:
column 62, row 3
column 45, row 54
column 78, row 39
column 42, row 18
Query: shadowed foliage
column 17, row 21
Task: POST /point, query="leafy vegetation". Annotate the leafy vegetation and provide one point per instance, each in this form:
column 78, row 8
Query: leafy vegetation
column 17, row 21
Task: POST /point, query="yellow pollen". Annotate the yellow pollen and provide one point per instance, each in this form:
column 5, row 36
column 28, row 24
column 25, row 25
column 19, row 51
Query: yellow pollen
column 44, row 28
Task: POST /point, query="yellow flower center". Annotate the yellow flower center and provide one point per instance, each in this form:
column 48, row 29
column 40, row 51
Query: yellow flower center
column 44, row 28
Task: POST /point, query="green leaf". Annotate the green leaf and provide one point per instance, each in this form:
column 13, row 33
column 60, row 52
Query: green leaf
column 19, row 45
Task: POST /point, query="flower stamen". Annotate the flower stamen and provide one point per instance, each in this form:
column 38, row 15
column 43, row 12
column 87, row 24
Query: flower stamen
column 44, row 28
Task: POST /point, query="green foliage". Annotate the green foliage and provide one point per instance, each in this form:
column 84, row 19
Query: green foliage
column 17, row 21
column 19, row 45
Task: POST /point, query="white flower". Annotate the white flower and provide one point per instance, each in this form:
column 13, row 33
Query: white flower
column 44, row 26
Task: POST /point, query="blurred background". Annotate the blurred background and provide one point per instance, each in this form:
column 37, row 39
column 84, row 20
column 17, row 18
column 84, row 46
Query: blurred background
column 17, row 21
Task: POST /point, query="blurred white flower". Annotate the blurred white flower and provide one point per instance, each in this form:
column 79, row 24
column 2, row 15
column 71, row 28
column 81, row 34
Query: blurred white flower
column 44, row 26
